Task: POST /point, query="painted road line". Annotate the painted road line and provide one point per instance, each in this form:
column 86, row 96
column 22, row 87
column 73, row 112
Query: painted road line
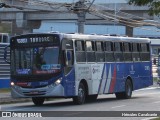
column 156, row 102
column 150, row 118
column 118, row 106
column 140, row 94
column 149, row 88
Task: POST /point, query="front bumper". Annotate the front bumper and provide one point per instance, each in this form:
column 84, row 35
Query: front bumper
column 48, row 91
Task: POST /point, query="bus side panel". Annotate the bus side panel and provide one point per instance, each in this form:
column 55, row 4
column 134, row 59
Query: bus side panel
column 69, row 83
column 143, row 75
column 122, row 73
column 83, row 72
column 98, row 77
column 92, row 74
column 111, row 77
column 117, row 74
column 115, row 78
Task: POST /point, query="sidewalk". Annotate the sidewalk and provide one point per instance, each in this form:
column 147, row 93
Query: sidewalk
column 6, row 98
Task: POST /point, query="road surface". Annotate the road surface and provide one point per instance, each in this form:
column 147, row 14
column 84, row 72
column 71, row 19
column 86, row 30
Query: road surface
column 147, row 99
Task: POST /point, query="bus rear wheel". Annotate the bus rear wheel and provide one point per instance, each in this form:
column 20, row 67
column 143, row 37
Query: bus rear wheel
column 80, row 98
column 38, row 101
column 128, row 91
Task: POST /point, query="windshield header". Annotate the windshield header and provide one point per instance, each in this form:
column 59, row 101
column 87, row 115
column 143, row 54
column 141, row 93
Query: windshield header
column 33, row 39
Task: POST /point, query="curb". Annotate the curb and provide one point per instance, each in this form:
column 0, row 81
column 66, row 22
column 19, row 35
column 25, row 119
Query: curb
column 9, row 100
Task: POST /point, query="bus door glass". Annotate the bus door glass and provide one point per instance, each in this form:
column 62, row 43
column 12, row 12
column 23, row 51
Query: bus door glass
column 68, row 55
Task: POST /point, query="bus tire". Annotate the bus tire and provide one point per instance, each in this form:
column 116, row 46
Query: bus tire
column 80, row 98
column 128, row 91
column 91, row 98
column 38, row 101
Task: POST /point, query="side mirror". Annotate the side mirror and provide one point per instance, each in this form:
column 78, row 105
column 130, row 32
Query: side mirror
column 6, row 49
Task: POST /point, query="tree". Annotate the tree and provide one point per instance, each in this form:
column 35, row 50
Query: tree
column 154, row 5
column 5, row 27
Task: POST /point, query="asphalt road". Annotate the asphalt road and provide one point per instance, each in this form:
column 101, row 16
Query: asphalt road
column 142, row 100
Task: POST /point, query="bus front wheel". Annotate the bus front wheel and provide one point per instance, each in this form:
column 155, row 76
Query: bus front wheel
column 128, row 91
column 80, row 98
column 38, row 100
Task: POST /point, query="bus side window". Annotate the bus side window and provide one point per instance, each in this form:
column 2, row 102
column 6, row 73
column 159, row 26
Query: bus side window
column 127, row 51
column 109, row 54
column 135, row 52
column 99, row 52
column 80, row 51
column 90, row 51
column 145, row 52
column 118, row 53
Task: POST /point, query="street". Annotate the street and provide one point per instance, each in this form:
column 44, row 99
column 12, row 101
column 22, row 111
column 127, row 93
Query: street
column 147, row 99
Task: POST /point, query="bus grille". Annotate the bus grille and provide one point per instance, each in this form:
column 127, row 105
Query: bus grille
column 33, row 93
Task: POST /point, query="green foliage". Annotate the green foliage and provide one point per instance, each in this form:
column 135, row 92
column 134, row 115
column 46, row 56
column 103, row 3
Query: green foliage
column 154, row 5
column 5, row 27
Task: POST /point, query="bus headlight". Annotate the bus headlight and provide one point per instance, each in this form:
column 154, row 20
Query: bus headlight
column 57, row 82
column 12, row 84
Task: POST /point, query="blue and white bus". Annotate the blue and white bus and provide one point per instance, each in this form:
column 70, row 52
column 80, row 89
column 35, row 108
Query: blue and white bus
column 78, row 66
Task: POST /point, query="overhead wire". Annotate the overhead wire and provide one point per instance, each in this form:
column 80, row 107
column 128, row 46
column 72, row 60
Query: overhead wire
column 125, row 18
column 124, row 21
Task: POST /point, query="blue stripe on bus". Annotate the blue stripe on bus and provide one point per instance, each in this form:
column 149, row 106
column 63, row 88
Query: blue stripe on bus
column 68, row 83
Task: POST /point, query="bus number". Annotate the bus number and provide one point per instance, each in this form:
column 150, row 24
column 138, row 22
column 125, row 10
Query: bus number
column 22, row 40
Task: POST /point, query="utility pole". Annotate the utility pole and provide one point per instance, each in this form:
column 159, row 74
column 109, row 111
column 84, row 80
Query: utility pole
column 81, row 21
column 81, row 13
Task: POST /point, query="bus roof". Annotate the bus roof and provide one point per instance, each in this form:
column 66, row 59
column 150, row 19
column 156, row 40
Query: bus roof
column 77, row 36
column 107, row 38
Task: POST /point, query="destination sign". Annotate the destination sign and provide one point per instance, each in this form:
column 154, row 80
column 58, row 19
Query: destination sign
column 34, row 40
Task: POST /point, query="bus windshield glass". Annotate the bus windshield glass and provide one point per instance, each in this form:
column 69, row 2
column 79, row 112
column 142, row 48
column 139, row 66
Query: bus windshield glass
column 39, row 60
column 35, row 58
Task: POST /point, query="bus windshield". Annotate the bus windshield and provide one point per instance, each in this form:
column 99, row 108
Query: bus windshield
column 36, row 60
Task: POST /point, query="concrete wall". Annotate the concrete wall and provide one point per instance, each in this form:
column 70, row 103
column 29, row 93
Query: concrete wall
column 96, row 1
column 71, row 27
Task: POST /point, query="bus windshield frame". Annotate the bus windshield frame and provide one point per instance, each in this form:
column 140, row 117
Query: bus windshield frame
column 35, row 55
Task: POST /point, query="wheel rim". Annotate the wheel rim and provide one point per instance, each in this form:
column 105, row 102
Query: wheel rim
column 129, row 91
column 81, row 94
